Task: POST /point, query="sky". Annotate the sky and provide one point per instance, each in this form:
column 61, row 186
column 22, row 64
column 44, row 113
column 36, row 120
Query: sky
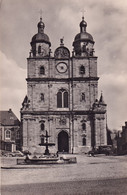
column 106, row 22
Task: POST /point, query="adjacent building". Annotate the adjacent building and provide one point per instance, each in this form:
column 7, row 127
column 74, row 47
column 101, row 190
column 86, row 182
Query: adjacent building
column 122, row 140
column 62, row 95
column 10, row 135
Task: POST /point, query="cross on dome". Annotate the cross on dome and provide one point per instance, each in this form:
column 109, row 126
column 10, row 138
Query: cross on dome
column 83, row 11
column 40, row 12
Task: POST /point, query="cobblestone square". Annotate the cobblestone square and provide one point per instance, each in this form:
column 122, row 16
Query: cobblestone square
column 91, row 175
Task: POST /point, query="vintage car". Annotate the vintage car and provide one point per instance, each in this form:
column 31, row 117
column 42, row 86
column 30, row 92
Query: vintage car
column 105, row 149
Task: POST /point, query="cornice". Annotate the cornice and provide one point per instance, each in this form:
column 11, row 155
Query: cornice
column 74, row 112
column 63, row 79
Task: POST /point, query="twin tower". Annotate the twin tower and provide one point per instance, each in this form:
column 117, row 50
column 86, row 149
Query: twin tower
column 62, row 96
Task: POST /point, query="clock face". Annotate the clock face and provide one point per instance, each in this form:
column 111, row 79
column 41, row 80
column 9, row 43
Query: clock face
column 61, row 67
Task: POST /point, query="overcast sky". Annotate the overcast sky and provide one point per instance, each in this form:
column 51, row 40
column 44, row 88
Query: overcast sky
column 106, row 22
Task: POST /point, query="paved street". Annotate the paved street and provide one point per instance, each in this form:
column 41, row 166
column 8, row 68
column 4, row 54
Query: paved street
column 91, row 175
column 91, row 187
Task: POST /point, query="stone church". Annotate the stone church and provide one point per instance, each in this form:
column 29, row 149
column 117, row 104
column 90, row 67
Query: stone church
column 62, row 96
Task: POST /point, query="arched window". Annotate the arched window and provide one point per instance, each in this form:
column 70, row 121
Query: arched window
column 82, row 69
column 39, row 49
column 42, row 139
column 42, row 126
column 42, row 97
column 83, row 97
column 62, row 99
column 8, row 134
column 65, row 99
column 84, row 126
column 84, row 45
column 84, row 141
column 42, row 70
column 59, row 99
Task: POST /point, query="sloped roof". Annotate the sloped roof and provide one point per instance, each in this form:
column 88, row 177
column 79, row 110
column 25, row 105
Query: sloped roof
column 8, row 118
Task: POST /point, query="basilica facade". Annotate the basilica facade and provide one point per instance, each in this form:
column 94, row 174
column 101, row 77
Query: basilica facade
column 62, row 96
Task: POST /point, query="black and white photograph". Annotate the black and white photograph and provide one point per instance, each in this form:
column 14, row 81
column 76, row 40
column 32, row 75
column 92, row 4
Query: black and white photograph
column 63, row 100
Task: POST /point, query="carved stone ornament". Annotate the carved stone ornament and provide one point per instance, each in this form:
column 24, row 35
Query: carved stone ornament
column 26, row 103
column 62, row 121
column 62, row 52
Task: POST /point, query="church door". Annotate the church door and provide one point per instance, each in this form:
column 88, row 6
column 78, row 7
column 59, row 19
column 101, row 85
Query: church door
column 63, row 142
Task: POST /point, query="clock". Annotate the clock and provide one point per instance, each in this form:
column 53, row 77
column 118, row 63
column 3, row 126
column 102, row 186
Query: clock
column 61, row 67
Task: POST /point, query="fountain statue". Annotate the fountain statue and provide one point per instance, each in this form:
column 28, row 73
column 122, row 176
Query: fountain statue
column 46, row 144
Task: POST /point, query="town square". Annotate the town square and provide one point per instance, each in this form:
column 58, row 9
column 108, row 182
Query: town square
column 90, row 175
column 63, row 116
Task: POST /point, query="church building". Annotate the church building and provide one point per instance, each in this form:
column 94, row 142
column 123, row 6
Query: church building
column 62, row 96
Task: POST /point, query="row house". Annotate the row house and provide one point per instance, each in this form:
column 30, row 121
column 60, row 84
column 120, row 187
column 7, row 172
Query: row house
column 10, row 135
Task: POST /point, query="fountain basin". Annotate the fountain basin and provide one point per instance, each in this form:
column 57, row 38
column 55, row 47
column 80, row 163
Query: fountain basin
column 45, row 161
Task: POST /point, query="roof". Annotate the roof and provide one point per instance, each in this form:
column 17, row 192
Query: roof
column 84, row 36
column 40, row 37
column 8, row 118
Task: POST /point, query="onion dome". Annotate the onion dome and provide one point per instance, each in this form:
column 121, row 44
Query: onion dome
column 83, row 35
column 83, row 24
column 41, row 24
column 40, row 37
column 40, row 42
column 83, row 41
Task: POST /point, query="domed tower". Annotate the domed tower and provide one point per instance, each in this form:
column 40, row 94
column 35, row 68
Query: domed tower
column 83, row 42
column 40, row 42
column 37, row 99
column 91, row 120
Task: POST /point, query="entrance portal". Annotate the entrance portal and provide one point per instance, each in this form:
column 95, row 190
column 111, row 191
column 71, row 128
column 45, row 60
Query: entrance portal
column 63, row 142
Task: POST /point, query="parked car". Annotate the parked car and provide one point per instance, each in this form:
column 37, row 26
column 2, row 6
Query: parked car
column 105, row 149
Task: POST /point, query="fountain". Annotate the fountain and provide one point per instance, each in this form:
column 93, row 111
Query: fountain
column 46, row 144
column 46, row 158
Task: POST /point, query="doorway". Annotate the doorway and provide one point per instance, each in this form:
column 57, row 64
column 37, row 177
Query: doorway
column 63, row 142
